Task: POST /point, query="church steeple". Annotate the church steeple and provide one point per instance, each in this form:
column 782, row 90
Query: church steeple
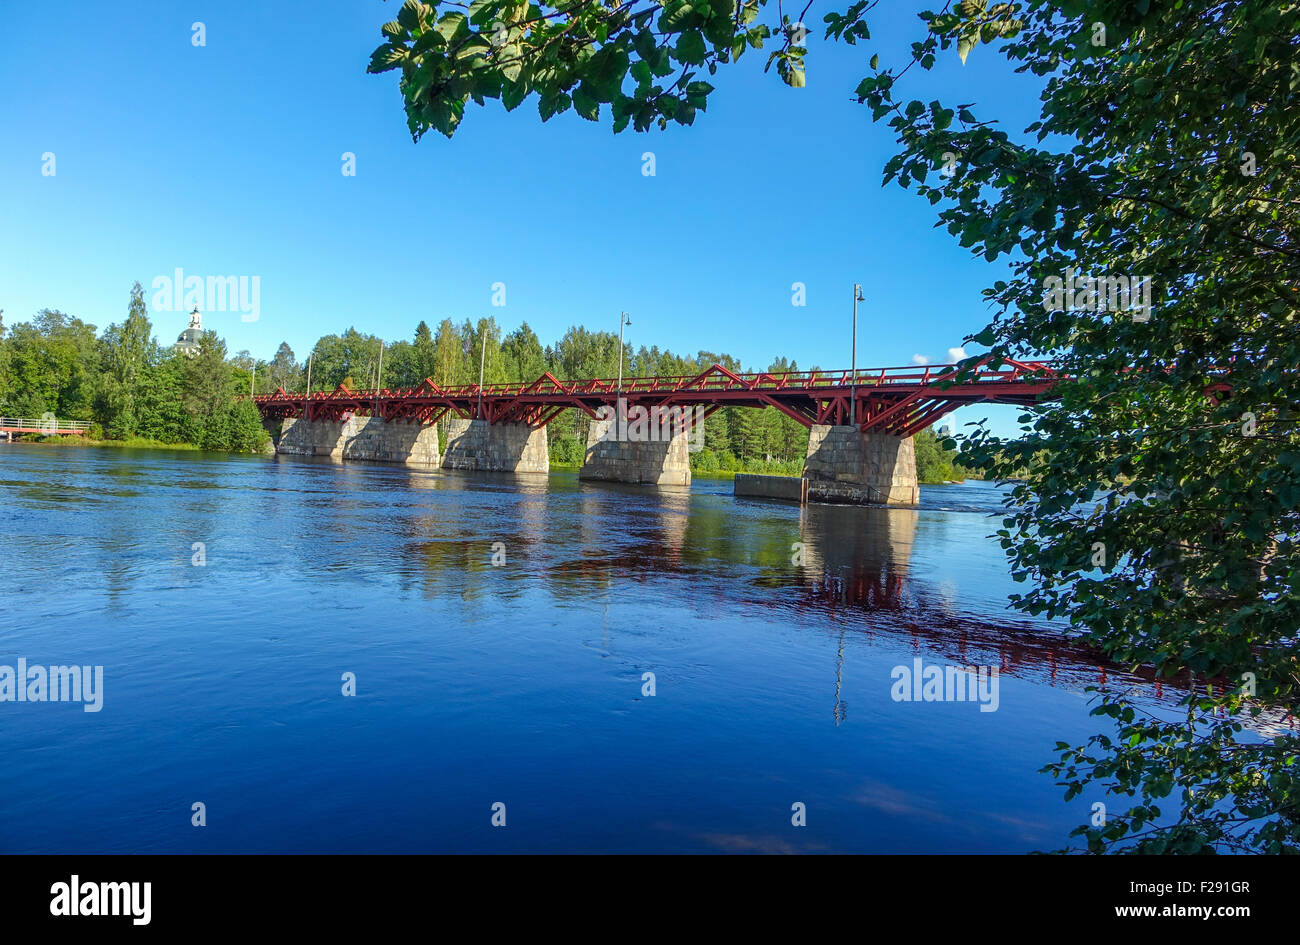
column 188, row 342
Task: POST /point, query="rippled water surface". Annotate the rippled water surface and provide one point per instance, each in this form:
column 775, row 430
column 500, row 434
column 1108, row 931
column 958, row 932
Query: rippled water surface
column 771, row 631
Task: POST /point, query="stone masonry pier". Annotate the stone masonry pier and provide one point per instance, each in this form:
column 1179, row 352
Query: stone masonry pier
column 637, row 456
column 369, row 438
column 496, row 447
column 845, row 465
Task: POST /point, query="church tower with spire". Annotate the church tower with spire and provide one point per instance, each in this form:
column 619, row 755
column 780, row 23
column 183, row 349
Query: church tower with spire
column 188, row 342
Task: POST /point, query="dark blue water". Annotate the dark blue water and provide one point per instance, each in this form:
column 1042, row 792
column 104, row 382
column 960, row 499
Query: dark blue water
column 520, row 683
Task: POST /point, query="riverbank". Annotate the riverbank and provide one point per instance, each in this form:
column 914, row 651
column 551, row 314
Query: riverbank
column 135, row 443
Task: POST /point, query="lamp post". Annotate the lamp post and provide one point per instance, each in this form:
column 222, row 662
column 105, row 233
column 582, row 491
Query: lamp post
column 618, row 402
column 853, row 383
column 482, row 351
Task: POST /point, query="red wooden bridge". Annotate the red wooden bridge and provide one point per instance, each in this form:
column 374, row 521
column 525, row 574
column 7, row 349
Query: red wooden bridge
column 899, row 400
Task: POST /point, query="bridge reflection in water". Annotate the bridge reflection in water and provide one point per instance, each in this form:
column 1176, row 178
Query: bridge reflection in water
column 844, row 569
column 855, row 566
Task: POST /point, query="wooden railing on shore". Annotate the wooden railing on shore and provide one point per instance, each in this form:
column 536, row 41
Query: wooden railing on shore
column 48, row 426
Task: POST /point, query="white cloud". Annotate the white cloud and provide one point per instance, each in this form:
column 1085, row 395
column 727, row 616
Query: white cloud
column 920, row 359
column 956, row 354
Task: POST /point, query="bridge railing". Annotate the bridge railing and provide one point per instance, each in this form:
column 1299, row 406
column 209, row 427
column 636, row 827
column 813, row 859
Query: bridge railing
column 715, row 378
column 42, row 425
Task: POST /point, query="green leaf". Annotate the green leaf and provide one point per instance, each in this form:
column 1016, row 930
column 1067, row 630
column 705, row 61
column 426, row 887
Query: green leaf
column 550, row 105
column 585, row 104
column 645, row 45
column 452, row 25
column 661, row 63
column 677, row 16
column 964, row 46
column 409, row 15
column 690, row 48
column 483, row 12
column 512, row 94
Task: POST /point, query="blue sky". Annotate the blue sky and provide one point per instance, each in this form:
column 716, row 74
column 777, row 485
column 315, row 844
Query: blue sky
column 226, row 160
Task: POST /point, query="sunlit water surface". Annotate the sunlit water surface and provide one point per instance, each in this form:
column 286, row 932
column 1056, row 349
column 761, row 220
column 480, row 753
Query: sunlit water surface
column 772, row 632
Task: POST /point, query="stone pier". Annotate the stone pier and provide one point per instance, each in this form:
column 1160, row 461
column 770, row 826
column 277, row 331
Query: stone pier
column 300, row 437
column 496, row 447
column 369, row 438
column 844, row 465
column 661, row 461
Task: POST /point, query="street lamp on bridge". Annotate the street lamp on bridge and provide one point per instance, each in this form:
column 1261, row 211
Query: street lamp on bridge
column 482, row 350
column 623, row 320
column 853, row 383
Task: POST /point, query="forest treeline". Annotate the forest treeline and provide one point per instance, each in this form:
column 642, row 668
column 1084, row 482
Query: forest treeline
column 132, row 387
column 125, row 383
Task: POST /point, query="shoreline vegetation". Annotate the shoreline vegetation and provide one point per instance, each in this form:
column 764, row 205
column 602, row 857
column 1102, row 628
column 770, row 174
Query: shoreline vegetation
column 131, row 443
column 136, row 392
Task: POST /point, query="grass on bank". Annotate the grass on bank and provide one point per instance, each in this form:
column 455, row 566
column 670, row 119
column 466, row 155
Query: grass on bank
column 134, row 442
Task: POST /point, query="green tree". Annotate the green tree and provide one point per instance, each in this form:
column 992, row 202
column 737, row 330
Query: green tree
column 127, row 351
column 283, row 371
column 426, row 353
column 935, row 462
column 243, row 361
column 484, row 333
column 583, row 354
column 746, row 432
column 524, row 359
column 242, row 368
column 717, row 432
column 207, row 391
column 245, row 433
column 448, row 353
column 351, row 358
column 53, row 366
column 160, row 409
column 401, row 365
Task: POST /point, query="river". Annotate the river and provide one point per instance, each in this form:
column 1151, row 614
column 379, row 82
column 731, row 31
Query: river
column 500, row 632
